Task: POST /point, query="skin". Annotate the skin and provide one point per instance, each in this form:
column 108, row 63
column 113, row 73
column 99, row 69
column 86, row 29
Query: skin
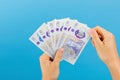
column 50, row 68
column 105, row 45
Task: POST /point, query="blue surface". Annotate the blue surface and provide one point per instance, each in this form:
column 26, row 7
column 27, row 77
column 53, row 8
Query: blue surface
column 19, row 58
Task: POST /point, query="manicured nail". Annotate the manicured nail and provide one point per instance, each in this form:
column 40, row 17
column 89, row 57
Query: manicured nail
column 61, row 50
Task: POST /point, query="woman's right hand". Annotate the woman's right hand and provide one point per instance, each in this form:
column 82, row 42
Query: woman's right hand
column 105, row 45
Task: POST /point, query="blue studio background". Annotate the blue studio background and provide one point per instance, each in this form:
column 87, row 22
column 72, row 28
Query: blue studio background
column 19, row 58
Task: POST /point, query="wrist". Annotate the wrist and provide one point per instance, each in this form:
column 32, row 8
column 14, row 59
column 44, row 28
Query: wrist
column 44, row 78
column 115, row 63
column 47, row 78
column 112, row 60
column 114, row 68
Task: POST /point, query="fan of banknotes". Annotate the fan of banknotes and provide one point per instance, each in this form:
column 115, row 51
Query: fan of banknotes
column 66, row 33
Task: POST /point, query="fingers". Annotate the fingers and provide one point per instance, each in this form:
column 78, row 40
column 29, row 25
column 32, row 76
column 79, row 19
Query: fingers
column 44, row 61
column 44, row 57
column 95, row 37
column 100, row 31
column 57, row 59
column 58, row 56
column 103, row 34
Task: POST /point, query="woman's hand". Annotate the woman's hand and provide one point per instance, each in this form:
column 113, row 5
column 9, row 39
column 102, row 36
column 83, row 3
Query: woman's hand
column 105, row 45
column 50, row 68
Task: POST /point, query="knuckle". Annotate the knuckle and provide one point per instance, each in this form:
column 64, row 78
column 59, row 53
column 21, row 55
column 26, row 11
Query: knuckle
column 111, row 35
column 56, row 64
column 59, row 57
column 98, row 27
column 56, row 61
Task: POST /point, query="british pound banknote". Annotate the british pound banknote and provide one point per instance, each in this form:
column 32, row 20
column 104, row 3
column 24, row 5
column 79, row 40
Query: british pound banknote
column 69, row 34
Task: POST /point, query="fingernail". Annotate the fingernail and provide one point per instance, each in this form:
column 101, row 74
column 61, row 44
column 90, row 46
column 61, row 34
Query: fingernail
column 61, row 50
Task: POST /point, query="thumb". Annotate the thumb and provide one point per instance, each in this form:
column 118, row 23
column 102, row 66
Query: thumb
column 58, row 56
column 95, row 37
